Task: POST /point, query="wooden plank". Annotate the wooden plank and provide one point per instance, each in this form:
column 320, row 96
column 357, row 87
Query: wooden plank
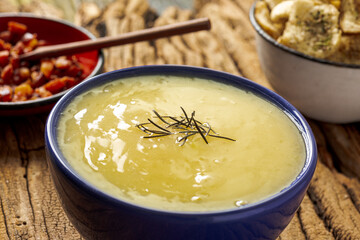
column 41, row 8
column 196, row 49
column 322, row 145
column 166, row 50
column 311, row 223
column 28, row 197
column 352, row 186
column 117, row 19
column 345, row 144
column 16, row 208
column 293, row 230
column 86, row 14
column 334, row 204
column 238, row 45
column 8, row 6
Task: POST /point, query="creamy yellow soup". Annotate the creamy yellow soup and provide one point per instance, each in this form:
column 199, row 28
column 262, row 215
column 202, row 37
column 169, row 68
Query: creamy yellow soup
column 101, row 136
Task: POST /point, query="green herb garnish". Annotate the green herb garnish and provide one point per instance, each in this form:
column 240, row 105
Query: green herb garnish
column 184, row 126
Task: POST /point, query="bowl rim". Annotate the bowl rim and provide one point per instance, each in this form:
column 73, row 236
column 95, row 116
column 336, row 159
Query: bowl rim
column 4, row 106
column 273, row 42
column 302, row 180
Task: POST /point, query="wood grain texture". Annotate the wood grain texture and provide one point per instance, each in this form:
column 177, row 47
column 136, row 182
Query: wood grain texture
column 42, row 8
column 345, row 144
column 174, row 49
column 29, row 206
column 312, row 225
column 334, row 204
column 8, row 6
column 237, row 39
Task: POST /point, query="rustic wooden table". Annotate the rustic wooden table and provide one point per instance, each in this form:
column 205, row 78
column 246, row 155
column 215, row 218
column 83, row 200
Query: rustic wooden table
column 29, row 206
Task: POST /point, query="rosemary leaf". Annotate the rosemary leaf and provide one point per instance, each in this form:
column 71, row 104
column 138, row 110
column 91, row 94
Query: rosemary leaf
column 158, row 126
column 186, row 116
column 155, row 136
column 202, row 135
column 183, row 126
column 217, row 136
column 158, row 115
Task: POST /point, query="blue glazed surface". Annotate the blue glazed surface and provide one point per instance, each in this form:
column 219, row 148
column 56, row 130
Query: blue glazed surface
column 97, row 215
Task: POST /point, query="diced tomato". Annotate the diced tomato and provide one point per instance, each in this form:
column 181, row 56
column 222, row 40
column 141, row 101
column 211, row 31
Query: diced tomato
column 28, row 37
column 4, row 45
column 55, row 86
column 21, row 75
column 18, row 49
column 42, row 92
column 23, row 92
column 62, row 63
column 15, row 61
column 4, row 58
column 69, row 81
column 37, row 79
column 57, row 73
column 5, row 35
column 16, row 77
column 30, row 42
column 16, row 28
column 19, row 97
column 74, row 71
column 7, row 73
column 24, row 88
column 30, row 46
column 46, row 68
column 5, row 93
column 24, row 73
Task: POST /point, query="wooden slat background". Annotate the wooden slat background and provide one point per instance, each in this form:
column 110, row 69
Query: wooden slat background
column 29, row 206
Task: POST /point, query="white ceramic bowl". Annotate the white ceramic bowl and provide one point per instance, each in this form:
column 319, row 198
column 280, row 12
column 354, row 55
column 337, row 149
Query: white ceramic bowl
column 320, row 89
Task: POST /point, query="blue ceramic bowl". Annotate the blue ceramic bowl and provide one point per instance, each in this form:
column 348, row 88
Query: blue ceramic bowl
column 96, row 215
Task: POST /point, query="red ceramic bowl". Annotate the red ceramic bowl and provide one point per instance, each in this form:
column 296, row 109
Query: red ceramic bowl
column 53, row 32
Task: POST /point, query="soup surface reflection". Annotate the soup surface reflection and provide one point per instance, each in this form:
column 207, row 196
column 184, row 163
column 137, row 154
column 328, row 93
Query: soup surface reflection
column 100, row 136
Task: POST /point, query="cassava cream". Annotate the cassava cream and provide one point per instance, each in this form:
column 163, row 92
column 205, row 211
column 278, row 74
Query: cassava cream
column 100, row 137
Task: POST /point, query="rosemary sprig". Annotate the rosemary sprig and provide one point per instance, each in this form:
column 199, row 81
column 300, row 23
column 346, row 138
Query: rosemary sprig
column 184, row 126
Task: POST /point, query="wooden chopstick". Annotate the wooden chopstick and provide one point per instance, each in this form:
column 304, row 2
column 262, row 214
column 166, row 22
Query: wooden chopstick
column 131, row 37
